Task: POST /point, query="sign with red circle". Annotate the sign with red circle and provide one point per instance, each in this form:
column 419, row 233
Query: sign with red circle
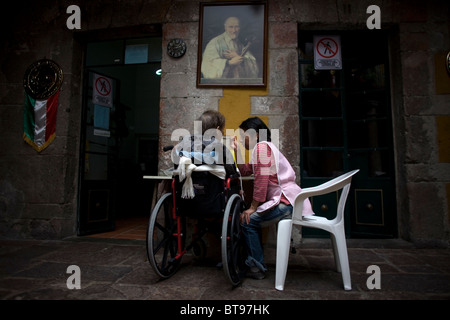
column 327, row 47
column 103, row 86
column 327, row 53
column 102, row 93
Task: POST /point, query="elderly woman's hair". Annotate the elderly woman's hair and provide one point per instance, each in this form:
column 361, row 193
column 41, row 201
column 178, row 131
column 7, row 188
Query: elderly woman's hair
column 212, row 119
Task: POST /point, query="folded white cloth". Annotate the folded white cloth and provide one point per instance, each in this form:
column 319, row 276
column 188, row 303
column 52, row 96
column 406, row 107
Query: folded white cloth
column 185, row 169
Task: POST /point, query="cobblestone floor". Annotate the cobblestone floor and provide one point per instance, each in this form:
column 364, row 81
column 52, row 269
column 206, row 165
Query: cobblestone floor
column 119, row 270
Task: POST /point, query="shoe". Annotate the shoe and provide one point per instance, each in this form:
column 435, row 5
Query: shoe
column 255, row 273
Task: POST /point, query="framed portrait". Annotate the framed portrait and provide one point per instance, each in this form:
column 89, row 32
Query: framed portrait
column 232, row 44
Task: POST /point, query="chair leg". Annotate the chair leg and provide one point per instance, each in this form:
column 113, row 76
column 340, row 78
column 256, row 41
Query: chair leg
column 335, row 253
column 283, row 245
column 341, row 256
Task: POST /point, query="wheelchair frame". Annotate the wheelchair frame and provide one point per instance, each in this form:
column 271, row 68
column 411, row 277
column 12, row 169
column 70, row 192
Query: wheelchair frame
column 166, row 235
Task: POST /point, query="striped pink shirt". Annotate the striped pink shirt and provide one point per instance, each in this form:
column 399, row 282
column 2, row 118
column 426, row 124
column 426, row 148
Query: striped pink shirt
column 262, row 173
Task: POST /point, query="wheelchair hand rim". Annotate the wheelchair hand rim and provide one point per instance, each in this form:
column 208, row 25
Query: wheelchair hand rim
column 232, row 241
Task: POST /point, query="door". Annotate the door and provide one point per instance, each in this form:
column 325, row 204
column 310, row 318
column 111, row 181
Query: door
column 119, row 132
column 99, row 146
column 345, row 124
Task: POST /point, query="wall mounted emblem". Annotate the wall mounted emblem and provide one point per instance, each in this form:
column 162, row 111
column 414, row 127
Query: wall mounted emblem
column 42, row 82
column 43, row 79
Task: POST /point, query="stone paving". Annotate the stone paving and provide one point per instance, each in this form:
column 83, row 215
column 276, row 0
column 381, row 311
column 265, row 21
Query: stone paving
column 119, row 270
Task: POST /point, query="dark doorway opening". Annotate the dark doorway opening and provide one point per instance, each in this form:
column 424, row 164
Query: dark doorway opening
column 119, row 135
column 346, row 123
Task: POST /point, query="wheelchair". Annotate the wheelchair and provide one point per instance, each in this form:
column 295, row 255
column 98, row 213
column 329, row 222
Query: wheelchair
column 215, row 209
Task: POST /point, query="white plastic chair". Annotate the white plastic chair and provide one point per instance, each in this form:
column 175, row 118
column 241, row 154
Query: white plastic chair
column 335, row 227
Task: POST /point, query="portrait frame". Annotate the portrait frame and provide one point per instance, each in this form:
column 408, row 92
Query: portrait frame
column 213, row 70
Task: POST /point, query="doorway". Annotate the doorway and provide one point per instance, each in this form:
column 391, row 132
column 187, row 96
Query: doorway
column 119, row 133
column 345, row 124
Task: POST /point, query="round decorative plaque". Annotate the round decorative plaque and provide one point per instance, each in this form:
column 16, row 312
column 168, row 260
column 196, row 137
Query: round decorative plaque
column 43, row 79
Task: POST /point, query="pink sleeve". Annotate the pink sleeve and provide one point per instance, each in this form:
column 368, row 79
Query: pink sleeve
column 245, row 169
column 262, row 169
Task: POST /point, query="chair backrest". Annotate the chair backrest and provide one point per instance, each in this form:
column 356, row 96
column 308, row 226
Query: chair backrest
column 341, row 182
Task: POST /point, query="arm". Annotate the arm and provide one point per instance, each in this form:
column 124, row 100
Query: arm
column 262, row 165
column 212, row 63
column 246, row 169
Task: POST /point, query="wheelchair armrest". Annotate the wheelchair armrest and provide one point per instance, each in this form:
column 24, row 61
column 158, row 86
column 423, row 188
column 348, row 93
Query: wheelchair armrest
column 233, row 181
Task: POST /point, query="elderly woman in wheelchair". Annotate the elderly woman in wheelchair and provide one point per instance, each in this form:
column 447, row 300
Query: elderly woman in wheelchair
column 206, row 187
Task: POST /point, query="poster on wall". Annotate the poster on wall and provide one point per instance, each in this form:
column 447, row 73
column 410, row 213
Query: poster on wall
column 232, row 48
column 102, row 93
column 327, row 53
column 101, row 117
column 101, row 121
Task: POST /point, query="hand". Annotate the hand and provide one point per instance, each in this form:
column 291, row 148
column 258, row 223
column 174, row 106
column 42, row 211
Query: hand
column 235, row 60
column 245, row 216
column 229, row 54
column 233, row 143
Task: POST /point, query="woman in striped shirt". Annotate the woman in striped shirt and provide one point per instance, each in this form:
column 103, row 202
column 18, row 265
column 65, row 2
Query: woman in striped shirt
column 274, row 189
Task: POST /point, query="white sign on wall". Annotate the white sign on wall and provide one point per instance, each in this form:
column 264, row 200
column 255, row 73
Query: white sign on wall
column 327, row 53
column 102, row 91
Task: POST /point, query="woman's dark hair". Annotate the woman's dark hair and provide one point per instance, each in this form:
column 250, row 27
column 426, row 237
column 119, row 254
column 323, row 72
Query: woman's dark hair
column 257, row 124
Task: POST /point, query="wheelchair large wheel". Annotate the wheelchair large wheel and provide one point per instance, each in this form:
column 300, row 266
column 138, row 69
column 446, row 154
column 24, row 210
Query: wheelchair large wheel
column 162, row 242
column 233, row 245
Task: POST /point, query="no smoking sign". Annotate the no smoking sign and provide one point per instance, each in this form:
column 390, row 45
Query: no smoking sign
column 327, row 53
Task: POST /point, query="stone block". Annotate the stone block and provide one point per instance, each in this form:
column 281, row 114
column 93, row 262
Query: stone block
column 152, row 12
column 182, row 30
column 51, row 229
column 355, row 12
column 11, row 201
column 281, row 10
column 416, row 105
column 414, row 63
column 414, row 11
column 419, row 132
column 308, row 12
column 287, row 127
column 428, row 172
column 425, row 203
column 39, row 178
column 180, row 11
column 180, row 85
column 283, row 74
column 269, row 105
column 180, row 113
column 417, row 41
column 282, row 35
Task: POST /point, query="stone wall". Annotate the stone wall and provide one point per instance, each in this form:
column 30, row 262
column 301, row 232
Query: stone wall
column 422, row 177
column 38, row 192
